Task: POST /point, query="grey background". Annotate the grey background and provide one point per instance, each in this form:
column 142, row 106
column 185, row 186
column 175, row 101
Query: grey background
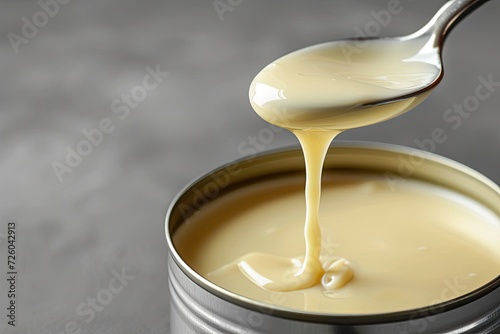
column 108, row 213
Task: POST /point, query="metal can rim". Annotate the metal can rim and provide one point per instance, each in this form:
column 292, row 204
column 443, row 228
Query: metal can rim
column 358, row 319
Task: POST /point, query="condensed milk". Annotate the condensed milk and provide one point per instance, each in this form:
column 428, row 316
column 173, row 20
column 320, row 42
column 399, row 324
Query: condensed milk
column 317, row 92
column 395, row 247
column 322, row 88
column 427, row 246
column 410, row 247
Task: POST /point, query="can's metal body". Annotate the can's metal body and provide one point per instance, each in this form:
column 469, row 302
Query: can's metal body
column 198, row 306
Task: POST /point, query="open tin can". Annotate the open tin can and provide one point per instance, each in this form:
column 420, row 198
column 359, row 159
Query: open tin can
column 199, row 306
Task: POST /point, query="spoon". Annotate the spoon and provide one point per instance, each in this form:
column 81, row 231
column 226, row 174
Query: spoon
column 356, row 82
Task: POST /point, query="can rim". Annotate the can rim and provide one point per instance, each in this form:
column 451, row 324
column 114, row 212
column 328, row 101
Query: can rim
column 345, row 319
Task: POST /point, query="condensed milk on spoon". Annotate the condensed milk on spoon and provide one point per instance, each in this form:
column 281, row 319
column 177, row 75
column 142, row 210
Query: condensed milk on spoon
column 317, row 93
column 392, row 249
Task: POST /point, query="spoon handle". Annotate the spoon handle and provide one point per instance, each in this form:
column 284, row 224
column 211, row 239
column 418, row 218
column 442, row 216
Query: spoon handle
column 447, row 18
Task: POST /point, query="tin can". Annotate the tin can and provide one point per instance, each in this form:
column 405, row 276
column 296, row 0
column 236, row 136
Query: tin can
column 199, row 306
